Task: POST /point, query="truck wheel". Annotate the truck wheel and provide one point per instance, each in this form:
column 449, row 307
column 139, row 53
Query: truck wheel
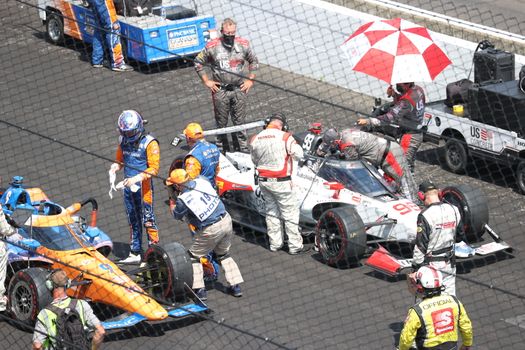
column 28, row 294
column 55, row 28
column 168, row 269
column 472, row 205
column 341, row 237
column 519, row 174
column 456, row 155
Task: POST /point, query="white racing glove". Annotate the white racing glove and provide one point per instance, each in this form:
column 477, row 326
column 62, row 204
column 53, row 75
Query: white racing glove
column 112, row 177
column 131, row 182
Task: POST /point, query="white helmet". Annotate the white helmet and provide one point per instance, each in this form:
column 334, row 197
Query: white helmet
column 429, row 278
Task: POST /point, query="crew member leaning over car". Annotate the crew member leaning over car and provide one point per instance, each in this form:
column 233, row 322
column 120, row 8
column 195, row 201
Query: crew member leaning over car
column 203, row 158
column 388, row 156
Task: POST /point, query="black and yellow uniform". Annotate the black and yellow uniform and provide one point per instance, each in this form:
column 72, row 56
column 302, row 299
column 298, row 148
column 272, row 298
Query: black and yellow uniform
column 434, row 323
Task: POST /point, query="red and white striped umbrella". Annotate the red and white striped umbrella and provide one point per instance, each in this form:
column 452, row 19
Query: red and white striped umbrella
column 396, row 51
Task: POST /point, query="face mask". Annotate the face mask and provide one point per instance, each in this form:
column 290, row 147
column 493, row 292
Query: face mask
column 227, row 41
column 400, row 90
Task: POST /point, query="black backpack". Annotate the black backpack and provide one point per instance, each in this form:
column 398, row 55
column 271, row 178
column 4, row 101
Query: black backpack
column 71, row 334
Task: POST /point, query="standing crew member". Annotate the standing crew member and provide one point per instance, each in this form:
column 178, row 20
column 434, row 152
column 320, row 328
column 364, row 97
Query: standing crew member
column 203, row 158
column 233, row 65
column 45, row 334
column 107, row 30
column 272, row 151
column 212, row 227
column 437, row 226
column 5, row 230
column 434, row 322
column 383, row 154
column 140, row 155
column 407, row 112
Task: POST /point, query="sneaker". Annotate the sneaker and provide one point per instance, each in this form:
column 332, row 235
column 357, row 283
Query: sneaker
column 300, row 251
column 98, row 65
column 235, row 290
column 202, row 293
column 274, row 249
column 131, row 259
column 122, row 68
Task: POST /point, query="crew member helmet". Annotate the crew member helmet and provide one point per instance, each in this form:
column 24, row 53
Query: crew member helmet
column 131, row 126
column 330, row 136
column 194, row 131
column 178, row 177
column 429, row 281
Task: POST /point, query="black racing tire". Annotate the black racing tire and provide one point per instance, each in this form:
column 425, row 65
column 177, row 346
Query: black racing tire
column 169, row 268
column 341, row 237
column 55, row 28
column 472, row 205
column 27, row 294
column 519, row 174
column 456, row 155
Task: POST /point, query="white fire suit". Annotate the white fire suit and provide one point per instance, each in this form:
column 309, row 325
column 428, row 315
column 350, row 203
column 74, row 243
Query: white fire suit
column 273, row 151
column 5, row 230
column 436, row 234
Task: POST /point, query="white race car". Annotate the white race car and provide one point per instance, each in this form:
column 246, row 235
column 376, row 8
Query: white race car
column 350, row 208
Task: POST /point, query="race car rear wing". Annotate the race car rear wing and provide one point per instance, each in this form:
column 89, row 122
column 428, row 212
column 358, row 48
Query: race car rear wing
column 385, row 262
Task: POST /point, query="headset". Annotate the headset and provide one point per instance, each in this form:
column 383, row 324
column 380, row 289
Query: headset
column 421, row 195
column 50, row 285
column 277, row 116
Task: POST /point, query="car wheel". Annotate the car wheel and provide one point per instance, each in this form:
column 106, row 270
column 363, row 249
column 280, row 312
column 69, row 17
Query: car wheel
column 168, row 269
column 519, row 174
column 341, row 236
column 28, row 294
column 456, row 155
column 55, row 28
column 472, row 205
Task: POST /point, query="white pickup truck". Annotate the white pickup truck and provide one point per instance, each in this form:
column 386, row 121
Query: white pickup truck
column 464, row 136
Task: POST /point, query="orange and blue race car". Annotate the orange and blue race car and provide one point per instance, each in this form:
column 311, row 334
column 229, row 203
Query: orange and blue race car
column 149, row 34
column 56, row 237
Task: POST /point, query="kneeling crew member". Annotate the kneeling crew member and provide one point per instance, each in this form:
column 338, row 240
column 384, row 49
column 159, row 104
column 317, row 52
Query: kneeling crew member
column 211, row 225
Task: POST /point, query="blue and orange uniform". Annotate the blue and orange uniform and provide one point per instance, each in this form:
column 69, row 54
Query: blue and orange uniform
column 203, row 160
column 108, row 30
column 142, row 157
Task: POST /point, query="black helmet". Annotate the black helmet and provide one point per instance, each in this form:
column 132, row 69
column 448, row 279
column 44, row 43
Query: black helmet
column 277, row 116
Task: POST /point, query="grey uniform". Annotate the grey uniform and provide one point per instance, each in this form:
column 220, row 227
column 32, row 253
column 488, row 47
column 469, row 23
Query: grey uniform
column 435, row 237
column 229, row 100
column 381, row 153
column 407, row 111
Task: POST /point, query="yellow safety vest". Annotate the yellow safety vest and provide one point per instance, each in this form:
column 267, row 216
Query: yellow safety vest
column 436, row 321
column 48, row 319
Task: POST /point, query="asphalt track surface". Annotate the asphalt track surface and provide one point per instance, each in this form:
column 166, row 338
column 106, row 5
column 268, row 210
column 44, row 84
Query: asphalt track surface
column 296, row 302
